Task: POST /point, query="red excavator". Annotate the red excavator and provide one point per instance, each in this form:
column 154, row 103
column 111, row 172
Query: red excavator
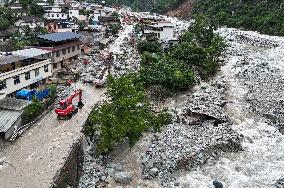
column 66, row 108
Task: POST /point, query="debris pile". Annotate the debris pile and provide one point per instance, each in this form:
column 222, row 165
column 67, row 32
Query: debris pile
column 200, row 131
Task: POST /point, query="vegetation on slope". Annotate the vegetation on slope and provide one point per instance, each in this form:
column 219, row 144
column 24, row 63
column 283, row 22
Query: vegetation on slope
column 263, row 16
column 197, row 53
column 158, row 6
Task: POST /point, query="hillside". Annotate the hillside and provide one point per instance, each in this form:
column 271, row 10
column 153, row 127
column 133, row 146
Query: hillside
column 264, row 16
column 158, row 6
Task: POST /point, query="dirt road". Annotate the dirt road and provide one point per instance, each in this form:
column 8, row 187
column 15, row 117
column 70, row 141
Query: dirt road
column 33, row 160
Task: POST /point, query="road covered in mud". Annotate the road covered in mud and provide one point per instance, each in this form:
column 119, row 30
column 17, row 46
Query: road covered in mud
column 34, row 159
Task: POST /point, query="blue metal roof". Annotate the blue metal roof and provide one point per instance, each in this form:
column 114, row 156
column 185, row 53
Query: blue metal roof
column 57, row 37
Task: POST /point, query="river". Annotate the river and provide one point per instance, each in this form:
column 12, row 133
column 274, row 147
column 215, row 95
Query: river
column 254, row 73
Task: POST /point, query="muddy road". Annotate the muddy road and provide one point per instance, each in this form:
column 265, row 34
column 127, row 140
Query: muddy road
column 32, row 160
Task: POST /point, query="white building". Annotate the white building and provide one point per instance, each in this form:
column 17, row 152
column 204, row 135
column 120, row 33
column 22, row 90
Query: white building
column 163, row 30
column 74, row 12
column 22, row 68
column 54, row 13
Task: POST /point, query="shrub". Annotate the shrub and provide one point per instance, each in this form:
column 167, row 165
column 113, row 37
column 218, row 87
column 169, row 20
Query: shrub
column 32, row 111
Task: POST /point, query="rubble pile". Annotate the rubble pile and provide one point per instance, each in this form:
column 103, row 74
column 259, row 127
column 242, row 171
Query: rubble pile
column 94, row 67
column 200, row 131
column 248, row 38
column 100, row 171
column 63, row 92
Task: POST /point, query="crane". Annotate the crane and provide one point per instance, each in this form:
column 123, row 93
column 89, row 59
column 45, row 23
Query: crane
column 66, row 109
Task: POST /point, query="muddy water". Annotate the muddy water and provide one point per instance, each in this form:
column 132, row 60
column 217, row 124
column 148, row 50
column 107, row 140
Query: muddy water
column 255, row 90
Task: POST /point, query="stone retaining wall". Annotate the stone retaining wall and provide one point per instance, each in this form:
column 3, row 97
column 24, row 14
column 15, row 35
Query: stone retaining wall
column 70, row 174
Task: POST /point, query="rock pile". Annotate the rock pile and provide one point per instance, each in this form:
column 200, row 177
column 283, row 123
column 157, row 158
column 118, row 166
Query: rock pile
column 200, row 131
column 99, row 171
column 63, row 92
column 93, row 67
column 251, row 38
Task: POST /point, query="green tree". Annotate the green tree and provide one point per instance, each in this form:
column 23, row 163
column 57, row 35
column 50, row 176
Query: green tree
column 127, row 113
column 149, row 46
column 36, row 10
column 4, row 23
column 115, row 14
column 25, row 3
column 114, row 28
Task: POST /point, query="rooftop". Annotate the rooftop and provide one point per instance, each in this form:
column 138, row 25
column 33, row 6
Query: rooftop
column 57, row 37
column 13, row 104
column 10, row 57
column 8, row 118
column 30, row 52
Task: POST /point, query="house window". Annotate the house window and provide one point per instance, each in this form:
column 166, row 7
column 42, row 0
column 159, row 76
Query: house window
column 45, row 68
column 16, row 80
column 54, row 65
column 62, row 15
column 68, row 49
column 78, row 47
column 57, row 15
column 3, row 84
column 36, row 72
column 64, row 51
column 73, row 48
column 52, row 15
column 57, row 53
column 27, row 75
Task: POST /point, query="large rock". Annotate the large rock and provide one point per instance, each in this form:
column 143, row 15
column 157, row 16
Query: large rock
column 123, row 177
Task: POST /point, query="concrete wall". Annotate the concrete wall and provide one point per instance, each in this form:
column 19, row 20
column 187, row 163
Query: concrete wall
column 70, row 174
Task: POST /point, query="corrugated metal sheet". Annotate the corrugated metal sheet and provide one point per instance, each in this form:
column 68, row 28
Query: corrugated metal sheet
column 8, row 118
column 57, row 37
column 13, row 103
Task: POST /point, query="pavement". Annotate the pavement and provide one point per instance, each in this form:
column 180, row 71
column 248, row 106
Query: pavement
column 33, row 159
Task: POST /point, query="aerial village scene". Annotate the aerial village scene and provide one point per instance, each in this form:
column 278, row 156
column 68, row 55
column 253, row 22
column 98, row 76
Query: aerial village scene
column 131, row 94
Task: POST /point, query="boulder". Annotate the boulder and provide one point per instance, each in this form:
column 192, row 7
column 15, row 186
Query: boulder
column 123, row 177
column 217, row 184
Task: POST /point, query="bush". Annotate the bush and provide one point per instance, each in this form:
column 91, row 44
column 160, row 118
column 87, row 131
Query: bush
column 32, row 111
column 169, row 73
column 127, row 114
column 149, row 46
